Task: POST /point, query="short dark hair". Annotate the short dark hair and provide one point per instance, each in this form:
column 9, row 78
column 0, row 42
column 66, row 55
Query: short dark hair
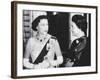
column 81, row 22
column 37, row 20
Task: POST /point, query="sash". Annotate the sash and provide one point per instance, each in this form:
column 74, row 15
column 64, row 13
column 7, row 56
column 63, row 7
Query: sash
column 41, row 55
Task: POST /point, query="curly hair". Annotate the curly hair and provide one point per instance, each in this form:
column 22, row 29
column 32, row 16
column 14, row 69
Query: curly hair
column 37, row 20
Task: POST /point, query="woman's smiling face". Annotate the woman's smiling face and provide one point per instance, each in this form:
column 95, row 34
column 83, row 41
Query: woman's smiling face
column 43, row 26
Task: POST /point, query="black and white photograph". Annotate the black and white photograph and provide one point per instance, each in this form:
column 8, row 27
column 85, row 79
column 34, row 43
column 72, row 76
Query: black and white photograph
column 53, row 39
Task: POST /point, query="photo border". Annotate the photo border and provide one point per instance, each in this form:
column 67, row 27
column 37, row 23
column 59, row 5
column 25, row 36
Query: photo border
column 14, row 37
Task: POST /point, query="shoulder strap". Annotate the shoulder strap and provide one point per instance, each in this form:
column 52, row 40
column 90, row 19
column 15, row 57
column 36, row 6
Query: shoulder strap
column 40, row 58
column 42, row 53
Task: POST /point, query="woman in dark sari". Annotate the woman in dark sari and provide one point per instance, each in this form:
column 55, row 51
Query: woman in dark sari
column 78, row 41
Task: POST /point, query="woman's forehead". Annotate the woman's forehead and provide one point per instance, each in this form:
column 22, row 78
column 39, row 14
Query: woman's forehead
column 43, row 21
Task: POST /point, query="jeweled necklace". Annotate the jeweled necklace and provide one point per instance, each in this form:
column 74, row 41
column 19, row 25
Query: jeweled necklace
column 40, row 39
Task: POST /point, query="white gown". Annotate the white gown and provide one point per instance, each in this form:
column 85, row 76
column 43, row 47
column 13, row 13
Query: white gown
column 34, row 48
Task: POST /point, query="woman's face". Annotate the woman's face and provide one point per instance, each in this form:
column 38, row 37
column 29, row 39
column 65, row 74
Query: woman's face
column 75, row 30
column 43, row 26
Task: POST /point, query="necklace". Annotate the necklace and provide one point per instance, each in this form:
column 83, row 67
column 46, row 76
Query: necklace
column 40, row 38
